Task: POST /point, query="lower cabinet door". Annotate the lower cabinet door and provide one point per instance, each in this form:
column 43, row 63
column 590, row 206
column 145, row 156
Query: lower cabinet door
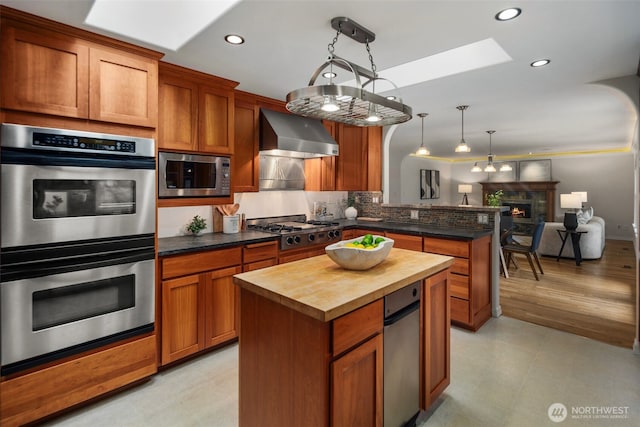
column 356, row 386
column 221, row 300
column 181, row 327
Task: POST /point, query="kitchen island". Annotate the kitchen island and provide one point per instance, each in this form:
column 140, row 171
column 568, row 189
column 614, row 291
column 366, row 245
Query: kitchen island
column 311, row 340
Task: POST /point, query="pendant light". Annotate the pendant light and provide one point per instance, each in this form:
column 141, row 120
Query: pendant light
column 476, row 168
column 349, row 104
column 462, row 146
column 506, row 167
column 490, row 167
column 422, row 150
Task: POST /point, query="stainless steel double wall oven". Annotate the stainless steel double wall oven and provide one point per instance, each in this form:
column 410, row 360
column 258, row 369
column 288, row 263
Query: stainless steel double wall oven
column 78, row 242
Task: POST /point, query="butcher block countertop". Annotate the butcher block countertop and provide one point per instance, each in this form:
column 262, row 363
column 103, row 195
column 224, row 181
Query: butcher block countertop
column 323, row 290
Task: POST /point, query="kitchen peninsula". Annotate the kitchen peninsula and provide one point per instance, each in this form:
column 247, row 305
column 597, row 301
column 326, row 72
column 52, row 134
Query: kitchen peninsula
column 311, row 340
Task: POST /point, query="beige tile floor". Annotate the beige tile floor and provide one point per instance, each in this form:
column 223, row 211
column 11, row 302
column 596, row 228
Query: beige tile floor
column 506, row 374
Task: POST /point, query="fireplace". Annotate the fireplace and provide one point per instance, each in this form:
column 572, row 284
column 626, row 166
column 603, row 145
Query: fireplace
column 518, row 209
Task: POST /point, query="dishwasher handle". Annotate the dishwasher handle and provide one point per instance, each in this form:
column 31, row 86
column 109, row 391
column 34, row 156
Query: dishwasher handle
column 400, row 314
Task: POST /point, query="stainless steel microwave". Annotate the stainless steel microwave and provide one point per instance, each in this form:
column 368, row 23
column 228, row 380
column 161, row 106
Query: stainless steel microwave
column 193, row 175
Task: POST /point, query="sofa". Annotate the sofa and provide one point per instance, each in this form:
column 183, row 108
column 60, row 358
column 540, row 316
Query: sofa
column 591, row 243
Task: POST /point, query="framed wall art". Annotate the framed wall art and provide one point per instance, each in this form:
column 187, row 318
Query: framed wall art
column 429, row 184
column 534, row 170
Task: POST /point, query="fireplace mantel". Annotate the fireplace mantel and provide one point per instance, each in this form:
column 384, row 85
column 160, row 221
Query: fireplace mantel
column 527, row 192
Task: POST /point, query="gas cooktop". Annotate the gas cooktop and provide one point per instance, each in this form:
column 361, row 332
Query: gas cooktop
column 296, row 231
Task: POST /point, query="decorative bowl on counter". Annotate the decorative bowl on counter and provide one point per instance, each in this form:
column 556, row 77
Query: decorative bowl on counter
column 352, row 256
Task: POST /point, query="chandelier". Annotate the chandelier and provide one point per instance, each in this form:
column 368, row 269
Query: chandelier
column 422, row 150
column 462, row 146
column 491, row 165
column 348, row 104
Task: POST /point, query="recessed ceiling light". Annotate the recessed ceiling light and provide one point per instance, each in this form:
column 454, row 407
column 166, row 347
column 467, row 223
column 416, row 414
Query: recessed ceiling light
column 329, row 75
column 540, row 63
column 507, row 14
column 234, row 39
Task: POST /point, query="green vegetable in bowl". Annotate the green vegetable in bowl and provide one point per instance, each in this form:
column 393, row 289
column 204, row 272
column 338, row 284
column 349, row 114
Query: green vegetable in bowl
column 367, row 242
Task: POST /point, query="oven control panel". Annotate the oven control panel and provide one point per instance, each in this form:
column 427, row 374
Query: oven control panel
column 83, row 143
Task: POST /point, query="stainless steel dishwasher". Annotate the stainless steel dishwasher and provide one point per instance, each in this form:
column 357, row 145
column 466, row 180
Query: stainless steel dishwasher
column 402, row 356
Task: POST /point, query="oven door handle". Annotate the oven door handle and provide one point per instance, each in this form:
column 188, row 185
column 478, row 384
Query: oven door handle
column 32, row 270
column 18, row 156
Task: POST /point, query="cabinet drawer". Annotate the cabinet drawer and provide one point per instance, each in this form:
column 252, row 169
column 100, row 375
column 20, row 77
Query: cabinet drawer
column 406, row 241
column 459, row 310
column 259, row 251
column 260, row 264
column 457, row 248
column 460, row 286
column 460, row 266
column 181, row 265
column 355, row 327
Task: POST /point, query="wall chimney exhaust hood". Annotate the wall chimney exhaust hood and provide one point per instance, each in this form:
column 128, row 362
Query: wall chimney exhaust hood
column 288, row 135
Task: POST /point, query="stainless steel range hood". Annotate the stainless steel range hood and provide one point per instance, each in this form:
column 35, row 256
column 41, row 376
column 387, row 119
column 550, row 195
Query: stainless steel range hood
column 287, row 135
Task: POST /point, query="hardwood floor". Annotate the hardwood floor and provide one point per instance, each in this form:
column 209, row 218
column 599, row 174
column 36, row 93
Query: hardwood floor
column 595, row 299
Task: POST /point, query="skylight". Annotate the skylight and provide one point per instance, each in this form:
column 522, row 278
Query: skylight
column 469, row 57
column 165, row 23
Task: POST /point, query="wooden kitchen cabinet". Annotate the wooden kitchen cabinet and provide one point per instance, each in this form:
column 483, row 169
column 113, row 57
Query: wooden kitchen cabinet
column 405, row 241
column 259, row 255
column 196, row 111
column 246, row 160
column 436, row 336
column 356, row 383
column 340, row 356
column 50, row 68
column 320, row 173
column 199, row 301
column 358, row 167
column 470, row 278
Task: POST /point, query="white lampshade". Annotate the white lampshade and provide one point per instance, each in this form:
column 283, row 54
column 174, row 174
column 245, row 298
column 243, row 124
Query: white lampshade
column 570, row 201
column 465, row 188
column 582, row 194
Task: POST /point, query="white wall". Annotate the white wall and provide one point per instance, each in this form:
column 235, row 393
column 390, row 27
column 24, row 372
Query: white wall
column 172, row 221
column 607, row 178
column 410, row 181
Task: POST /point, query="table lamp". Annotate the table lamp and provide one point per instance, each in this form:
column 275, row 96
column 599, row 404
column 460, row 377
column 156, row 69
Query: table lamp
column 583, row 197
column 570, row 201
column 464, row 189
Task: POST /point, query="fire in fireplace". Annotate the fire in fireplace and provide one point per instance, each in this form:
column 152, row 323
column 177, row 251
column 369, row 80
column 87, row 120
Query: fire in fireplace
column 519, row 210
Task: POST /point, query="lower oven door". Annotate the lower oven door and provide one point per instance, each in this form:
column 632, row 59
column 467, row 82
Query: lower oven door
column 48, row 317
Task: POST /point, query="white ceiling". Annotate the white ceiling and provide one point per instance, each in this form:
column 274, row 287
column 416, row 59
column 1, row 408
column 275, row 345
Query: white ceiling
column 562, row 107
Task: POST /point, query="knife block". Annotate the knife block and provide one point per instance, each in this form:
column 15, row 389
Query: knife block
column 217, row 221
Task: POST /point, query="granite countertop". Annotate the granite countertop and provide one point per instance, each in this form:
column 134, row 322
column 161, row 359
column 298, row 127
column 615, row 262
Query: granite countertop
column 184, row 244
column 207, row 241
column 321, row 289
column 416, row 229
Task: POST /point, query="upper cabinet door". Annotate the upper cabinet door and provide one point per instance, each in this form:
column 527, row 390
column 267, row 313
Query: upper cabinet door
column 246, row 144
column 352, row 160
column 216, row 120
column 123, row 88
column 43, row 73
column 178, row 113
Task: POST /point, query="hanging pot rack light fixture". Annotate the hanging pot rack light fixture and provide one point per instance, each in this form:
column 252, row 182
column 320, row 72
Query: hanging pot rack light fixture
column 422, row 150
column 348, row 104
column 462, row 146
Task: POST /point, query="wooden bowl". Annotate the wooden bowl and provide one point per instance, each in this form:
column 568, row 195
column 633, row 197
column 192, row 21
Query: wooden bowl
column 357, row 258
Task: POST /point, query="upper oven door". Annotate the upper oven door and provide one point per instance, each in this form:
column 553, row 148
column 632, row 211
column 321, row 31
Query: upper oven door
column 52, row 199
